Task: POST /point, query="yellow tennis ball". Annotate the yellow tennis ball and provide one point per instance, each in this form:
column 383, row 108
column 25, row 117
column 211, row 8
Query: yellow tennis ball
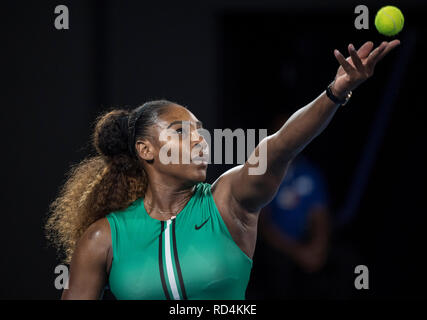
column 389, row 20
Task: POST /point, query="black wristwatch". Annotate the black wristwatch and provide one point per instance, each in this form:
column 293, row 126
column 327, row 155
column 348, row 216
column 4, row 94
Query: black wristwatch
column 335, row 99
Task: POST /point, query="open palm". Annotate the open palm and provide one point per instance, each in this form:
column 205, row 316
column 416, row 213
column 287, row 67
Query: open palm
column 360, row 65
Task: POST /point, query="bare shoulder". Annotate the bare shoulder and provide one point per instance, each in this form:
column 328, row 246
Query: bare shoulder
column 96, row 239
column 226, row 203
column 221, row 188
column 88, row 269
column 222, row 185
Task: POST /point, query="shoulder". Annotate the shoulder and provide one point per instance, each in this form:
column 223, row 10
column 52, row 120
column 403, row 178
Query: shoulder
column 226, row 203
column 222, row 186
column 99, row 230
column 89, row 263
column 96, row 240
column 223, row 182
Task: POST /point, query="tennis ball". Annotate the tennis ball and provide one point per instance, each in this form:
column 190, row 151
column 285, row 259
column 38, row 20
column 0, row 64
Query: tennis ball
column 389, row 20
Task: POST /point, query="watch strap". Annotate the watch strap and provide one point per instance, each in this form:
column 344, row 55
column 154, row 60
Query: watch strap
column 334, row 98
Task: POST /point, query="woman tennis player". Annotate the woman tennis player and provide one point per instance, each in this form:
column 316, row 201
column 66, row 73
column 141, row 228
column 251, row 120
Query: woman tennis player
column 151, row 230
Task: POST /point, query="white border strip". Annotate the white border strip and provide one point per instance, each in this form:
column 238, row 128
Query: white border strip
column 169, row 266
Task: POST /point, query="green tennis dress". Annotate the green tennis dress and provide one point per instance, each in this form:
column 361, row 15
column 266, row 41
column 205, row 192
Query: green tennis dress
column 191, row 256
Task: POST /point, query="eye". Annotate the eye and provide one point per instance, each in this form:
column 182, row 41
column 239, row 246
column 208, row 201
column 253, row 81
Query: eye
column 179, row 130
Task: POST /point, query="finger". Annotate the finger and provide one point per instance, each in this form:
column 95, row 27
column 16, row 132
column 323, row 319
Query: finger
column 365, row 49
column 391, row 45
column 372, row 58
column 355, row 58
column 343, row 62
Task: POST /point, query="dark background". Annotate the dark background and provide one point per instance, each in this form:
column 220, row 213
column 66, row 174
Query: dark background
column 235, row 64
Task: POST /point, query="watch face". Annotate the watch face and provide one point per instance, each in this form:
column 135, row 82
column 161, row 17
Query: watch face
column 347, row 98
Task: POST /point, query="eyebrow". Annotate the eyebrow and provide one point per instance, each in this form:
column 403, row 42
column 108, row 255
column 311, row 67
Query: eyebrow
column 198, row 123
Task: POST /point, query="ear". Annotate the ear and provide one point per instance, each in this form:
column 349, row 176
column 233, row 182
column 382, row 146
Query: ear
column 145, row 149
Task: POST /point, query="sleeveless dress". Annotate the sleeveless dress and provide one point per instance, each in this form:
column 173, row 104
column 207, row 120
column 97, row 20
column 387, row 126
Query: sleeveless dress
column 191, row 256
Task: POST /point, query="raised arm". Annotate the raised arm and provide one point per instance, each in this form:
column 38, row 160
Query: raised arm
column 253, row 191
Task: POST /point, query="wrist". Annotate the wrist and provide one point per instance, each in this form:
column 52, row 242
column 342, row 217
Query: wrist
column 338, row 96
column 340, row 93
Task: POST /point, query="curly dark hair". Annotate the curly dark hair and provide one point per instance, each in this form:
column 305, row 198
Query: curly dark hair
column 107, row 182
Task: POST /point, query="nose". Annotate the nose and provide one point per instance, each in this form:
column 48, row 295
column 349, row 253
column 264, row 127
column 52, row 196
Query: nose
column 199, row 141
column 196, row 137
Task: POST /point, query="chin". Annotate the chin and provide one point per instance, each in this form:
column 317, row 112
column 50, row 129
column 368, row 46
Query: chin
column 199, row 174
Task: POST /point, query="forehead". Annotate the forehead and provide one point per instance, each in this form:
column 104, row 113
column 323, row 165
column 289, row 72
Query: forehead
column 176, row 113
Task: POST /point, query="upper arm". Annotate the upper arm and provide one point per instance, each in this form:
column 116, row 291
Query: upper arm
column 88, row 265
column 251, row 187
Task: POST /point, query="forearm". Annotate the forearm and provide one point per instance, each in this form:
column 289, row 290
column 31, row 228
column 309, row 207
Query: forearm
column 301, row 128
column 253, row 190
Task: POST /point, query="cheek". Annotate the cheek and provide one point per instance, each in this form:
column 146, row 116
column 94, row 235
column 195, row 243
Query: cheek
column 177, row 159
column 185, row 147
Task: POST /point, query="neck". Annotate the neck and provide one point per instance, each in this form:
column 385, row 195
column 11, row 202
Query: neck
column 164, row 199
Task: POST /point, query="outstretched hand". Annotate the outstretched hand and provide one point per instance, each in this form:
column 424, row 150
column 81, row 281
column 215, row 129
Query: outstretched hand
column 359, row 66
